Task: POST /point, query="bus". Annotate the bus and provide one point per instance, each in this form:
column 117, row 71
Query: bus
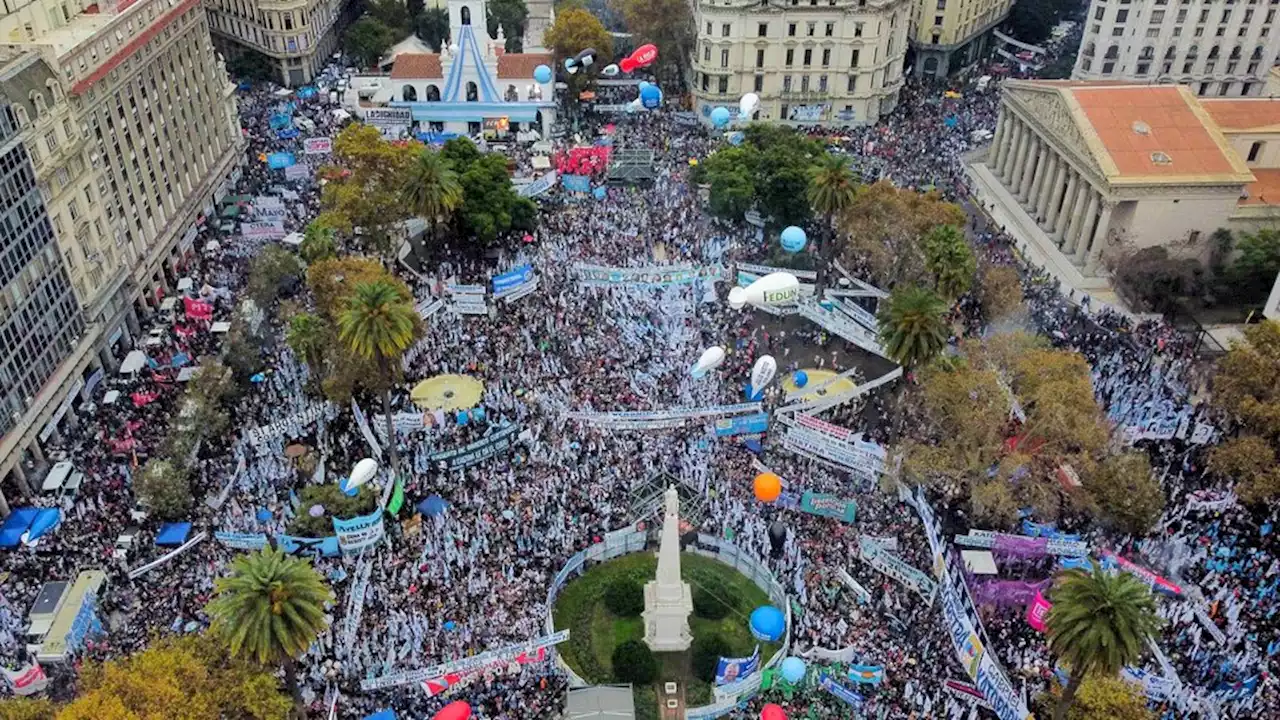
column 76, row 618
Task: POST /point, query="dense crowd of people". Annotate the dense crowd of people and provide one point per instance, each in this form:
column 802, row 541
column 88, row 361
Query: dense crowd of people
column 475, row 576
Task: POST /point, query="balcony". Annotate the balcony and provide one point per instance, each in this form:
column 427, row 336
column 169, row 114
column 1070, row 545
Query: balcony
column 804, row 95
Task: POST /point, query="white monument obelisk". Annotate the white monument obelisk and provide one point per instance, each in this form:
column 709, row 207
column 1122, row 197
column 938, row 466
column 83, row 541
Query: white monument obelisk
column 667, row 599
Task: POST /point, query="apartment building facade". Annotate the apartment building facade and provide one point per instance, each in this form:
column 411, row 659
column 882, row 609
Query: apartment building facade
column 811, row 62
column 948, row 35
column 1218, row 49
column 130, row 122
column 297, row 36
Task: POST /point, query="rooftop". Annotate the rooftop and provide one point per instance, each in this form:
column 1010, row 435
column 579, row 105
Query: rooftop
column 1265, row 190
column 519, row 66
column 1156, row 131
column 1241, row 114
column 414, row 66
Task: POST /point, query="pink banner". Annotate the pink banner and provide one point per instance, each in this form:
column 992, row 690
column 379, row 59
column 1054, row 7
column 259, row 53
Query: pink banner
column 1037, row 611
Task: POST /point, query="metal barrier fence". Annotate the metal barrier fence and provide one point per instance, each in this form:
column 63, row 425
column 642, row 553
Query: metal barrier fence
column 630, row 540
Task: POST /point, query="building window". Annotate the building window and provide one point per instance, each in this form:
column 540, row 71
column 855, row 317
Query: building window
column 723, row 83
column 762, row 30
column 1254, row 151
column 724, row 30
column 791, row 56
column 1157, row 17
column 1098, row 12
column 854, row 61
column 942, row 4
column 1107, row 67
column 831, row 29
column 826, row 57
column 786, row 83
column 935, row 39
column 724, row 58
column 759, row 83
column 804, row 83
column 808, row 57
column 822, row 83
column 1143, row 68
column 812, row 28
column 708, row 28
column 791, row 30
column 857, row 29
column 706, row 80
column 51, row 141
column 706, row 53
column 853, row 83
column 759, row 58
column 937, row 20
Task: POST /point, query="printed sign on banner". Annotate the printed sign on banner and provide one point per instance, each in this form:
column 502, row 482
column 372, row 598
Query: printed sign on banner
column 241, row 541
column 896, row 568
column 838, row 690
column 828, row 505
column 317, row 146
column 359, row 532
column 263, row 230
column 576, row 183
column 507, row 282
column 279, row 160
column 1037, row 611
column 297, row 172
column 743, row 425
column 506, row 653
column 729, row 670
column 475, row 452
column 651, row 276
column 28, row 680
column 538, row 186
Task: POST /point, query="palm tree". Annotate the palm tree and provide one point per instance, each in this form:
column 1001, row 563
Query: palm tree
column 832, row 189
column 308, row 335
column 270, row 609
column 913, row 325
column 1099, row 623
column 431, row 189
column 379, row 323
column 950, row 259
column 317, row 243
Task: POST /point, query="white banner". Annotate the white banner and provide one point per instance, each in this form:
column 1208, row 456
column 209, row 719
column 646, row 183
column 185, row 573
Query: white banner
column 317, row 146
column 292, row 426
column 539, row 186
column 427, row 309
column 896, row 568
column 28, row 680
column 503, row 653
column 263, row 230
column 363, row 423
column 657, row 419
column 139, row 572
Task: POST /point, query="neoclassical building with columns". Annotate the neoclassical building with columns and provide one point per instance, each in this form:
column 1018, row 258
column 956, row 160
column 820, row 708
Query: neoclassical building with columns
column 1099, row 170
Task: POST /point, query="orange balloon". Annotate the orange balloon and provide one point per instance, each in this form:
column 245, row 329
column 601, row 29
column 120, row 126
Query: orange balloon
column 768, row 487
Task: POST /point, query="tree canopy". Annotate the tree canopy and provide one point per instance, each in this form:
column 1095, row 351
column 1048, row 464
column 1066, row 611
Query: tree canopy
column 1245, row 387
column 770, row 171
column 575, row 29
column 366, row 40
column 490, row 205
column 884, row 229
column 363, row 186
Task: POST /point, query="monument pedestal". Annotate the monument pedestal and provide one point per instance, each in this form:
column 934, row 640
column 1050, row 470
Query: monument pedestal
column 668, row 602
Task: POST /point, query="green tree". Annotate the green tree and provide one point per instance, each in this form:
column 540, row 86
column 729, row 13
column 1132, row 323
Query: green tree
column 1128, row 495
column 1032, row 20
column 883, row 229
column 1157, row 282
column 709, row 599
column 164, row 489
column 730, row 174
column 393, row 14
column 366, row 40
column 270, row 609
column 668, row 24
column 624, row 598
column 1245, row 387
column 26, row 708
column 431, row 190
column 253, row 66
column 189, row 677
column 832, row 188
column 433, row 27
column 1256, row 265
column 913, row 326
column 948, row 257
column 309, row 335
column 994, row 505
column 706, row 653
column 1107, row 698
column 633, row 662
column 1099, row 623
column 575, row 29
column 272, row 273
column 318, row 242
column 362, row 188
column 1000, row 291
column 379, row 324
column 490, row 206
column 511, row 16
column 336, row 504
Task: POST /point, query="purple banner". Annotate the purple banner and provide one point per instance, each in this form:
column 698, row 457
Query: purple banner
column 1024, row 547
column 1006, row 593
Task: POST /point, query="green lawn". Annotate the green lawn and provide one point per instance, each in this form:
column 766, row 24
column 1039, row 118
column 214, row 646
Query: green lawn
column 595, row 632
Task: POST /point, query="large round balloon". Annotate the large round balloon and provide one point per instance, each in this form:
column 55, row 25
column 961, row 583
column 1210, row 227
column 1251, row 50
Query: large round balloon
column 773, row 712
column 650, row 96
column 644, row 55
column 768, row 623
column 748, row 105
column 767, row 487
column 542, row 74
column 793, row 239
column 456, row 710
column 720, row 117
column 800, row 378
column 793, row 669
column 708, row 361
column 777, row 537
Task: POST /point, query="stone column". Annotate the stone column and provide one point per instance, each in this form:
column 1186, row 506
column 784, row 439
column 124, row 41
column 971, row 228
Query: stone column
column 1099, row 240
column 20, row 479
column 1077, row 216
column 1056, row 194
column 1034, row 171
column 1050, row 188
column 1011, row 151
column 1027, row 173
column 1019, row 161
column 1043, row 175
column 4, row 505
column 1002, row 126
column 1063, row 216
column 1080, row 244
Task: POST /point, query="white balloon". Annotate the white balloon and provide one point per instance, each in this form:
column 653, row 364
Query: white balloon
column 363, row 472
column 748, row 103
column 710, row 360
column 737, row 298
column 762, row 373
column 778, row 288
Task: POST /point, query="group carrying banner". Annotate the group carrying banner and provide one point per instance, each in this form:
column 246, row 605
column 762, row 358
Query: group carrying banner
column 655, row 276
column 893, row 566
column 476, row 452
column 506, row 653
column 659, row 419
column 811, row 437
column 743, row 425
column 515, row 283
column 827, row 505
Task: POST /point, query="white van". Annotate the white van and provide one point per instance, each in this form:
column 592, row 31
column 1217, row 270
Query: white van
column 63, row 479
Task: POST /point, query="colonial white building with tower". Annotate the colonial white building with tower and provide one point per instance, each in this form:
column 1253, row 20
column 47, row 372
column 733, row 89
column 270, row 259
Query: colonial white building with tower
column 473, row 80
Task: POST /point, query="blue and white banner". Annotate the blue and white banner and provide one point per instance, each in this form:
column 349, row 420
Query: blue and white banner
column 656, row 276
column 730, row 670
column 475, row 452
column 866, row 674
column 539, row 186
column 658, row 419
column 279, row 160
column 840, row 691
column 507, row 282
column 743, row 425
column 241, row 541
column 576, row 183
column 359, row 532
column 896, row 568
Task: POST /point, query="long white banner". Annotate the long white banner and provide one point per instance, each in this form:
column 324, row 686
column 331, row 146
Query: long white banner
column 658, row 419
column 503, row 653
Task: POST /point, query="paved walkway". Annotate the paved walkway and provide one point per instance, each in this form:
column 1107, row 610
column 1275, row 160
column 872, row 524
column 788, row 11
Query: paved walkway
column 1033, row 242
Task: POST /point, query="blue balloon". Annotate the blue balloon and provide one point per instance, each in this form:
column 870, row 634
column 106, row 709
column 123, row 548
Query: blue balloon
column 599, row 192
column 542, row 74
column 642, row 85
column 793, row 239
column 736, row 137
column 477, row 414
column 793, row 669
column 450, row 625
column 434, row 505
column 346, row 489
column 264, row 515
column 800, row 378
column 768, row 623
column 650, row 96
column 463, row 418
column 720, row 117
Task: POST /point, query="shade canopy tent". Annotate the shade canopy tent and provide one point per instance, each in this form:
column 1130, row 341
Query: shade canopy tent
column 600, row 702
column 110, row 397
column 979, row 562
column 184, row 284
column 133, row 362
column 29, row 521
column 173, row 534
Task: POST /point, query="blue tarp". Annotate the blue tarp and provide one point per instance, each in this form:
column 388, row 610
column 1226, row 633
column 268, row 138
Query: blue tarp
column 16, row 524
column 173, row 533
column 45, row 520
column 382, row 715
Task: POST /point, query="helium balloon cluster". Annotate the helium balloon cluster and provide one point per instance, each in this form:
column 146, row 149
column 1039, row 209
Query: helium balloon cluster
column 642, row 57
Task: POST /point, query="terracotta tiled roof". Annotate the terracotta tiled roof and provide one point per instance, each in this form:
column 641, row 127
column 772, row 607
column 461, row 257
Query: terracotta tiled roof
column 1243, row 113
column 1265, row 190
column 1156, row 131
column 519, row 66
column 416, row 66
